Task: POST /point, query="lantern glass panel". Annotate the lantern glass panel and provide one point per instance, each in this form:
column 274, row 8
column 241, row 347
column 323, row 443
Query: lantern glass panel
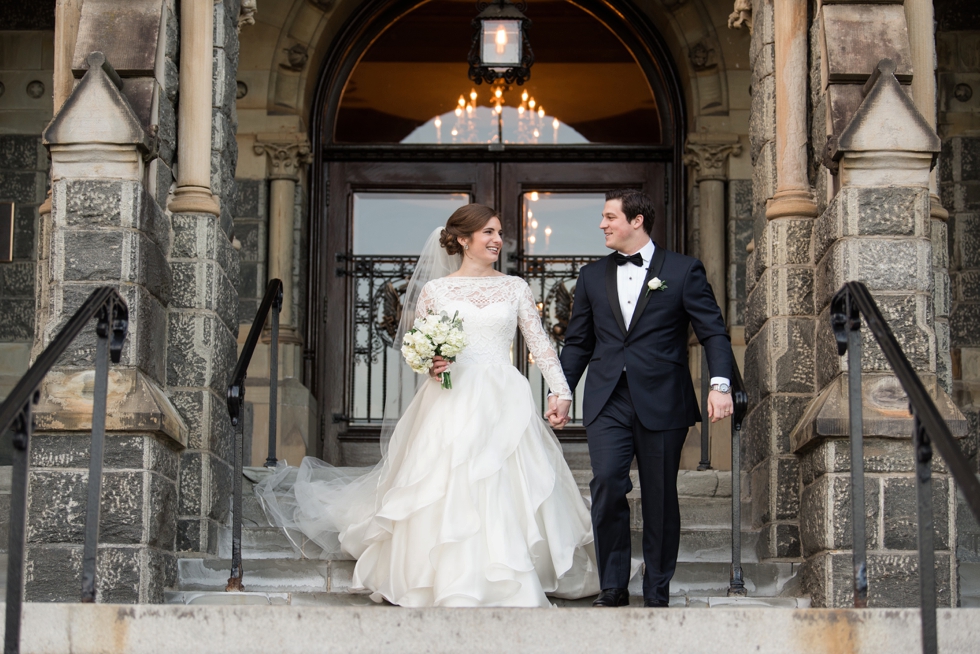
column 501, row 43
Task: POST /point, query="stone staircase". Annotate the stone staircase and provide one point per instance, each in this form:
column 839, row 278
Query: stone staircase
column 274, row 574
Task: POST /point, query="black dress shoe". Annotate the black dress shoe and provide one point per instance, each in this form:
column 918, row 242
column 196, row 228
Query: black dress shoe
column 654, row 604
column 613, row 597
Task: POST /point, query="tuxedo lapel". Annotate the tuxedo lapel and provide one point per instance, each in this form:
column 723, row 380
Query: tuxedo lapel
column 612, row 292
column 656, row 265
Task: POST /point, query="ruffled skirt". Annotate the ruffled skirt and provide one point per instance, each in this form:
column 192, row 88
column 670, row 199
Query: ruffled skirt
column 473, row 504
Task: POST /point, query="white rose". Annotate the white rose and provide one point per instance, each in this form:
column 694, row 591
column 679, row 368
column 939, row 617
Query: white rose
column 656, row 284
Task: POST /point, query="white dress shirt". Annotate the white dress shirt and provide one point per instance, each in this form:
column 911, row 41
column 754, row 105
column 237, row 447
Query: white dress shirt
column 629, row 283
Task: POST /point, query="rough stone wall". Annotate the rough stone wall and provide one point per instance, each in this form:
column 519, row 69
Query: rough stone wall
column 203, row 320
column 779, row 325
column 739, row 234
column 958, row 59
column 103, row 232
column 251, row 216
column 23, row 181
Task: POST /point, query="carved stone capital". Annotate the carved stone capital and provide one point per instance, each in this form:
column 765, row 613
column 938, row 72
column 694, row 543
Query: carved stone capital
column 741, row 15
column 707, row 153
column 246, row 13
column 286, row 158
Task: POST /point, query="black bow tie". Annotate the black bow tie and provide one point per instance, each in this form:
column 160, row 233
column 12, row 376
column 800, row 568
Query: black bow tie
column 622, row 259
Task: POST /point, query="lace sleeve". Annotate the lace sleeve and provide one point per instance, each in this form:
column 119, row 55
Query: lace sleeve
column 538, row 342
column 426, row 302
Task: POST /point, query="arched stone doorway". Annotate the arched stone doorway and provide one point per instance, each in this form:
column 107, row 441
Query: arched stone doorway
column 398, row 130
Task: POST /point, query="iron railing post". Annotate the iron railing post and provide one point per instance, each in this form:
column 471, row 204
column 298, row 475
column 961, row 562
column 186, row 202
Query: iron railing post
column 705, row 463
column 93, row 509
column 736, row 583
column 922, row 447
column 845, row 320
column 270, row 461
column 238, row 429
column 236, row 411
column 21, row 430
column 856, row 418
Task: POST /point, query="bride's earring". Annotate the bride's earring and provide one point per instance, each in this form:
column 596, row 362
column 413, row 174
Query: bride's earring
column 466, row 247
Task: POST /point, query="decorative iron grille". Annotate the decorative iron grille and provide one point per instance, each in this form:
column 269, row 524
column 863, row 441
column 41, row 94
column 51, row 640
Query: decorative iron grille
column 552, row 280
column 378, row 286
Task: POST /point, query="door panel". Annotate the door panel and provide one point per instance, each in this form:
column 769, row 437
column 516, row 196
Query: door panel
column 379, row 215
column 551, row 214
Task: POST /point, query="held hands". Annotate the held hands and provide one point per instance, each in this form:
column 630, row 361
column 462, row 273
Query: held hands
column 557, row 414
column 439, row 366
column 720, row 405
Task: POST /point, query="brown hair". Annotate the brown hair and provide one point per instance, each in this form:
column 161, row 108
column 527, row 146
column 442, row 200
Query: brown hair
column 635, row 203
column 466, row 220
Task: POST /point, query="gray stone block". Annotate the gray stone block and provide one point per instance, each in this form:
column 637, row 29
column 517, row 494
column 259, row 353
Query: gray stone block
column 162, row 519
column 189, row 537
column 900, row 517
column 21, row 152
column 25, row 230
column 787, row 488
column 246, row 199
column 825, row 514
column 94, row 256
column 22, row 186
column 192, row 484
column 17, row 280
column 969, row 159
column 779, row 541
column 784, row 356
column 122, row 508
column 16, row 319
column 56, row 506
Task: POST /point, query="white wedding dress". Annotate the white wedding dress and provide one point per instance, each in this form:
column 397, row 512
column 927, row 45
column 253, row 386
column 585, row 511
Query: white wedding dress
column 473, row 505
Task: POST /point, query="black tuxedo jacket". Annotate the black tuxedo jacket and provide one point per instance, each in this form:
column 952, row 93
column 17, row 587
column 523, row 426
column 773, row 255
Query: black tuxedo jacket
column 653, row 347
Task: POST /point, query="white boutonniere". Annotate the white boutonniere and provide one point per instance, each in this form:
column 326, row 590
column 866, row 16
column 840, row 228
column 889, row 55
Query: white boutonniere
column 656, row 284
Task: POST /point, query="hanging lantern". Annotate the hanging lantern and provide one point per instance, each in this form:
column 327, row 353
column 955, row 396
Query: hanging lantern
column 500, row 49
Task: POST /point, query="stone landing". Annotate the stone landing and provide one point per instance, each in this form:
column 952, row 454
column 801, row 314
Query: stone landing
column 91, row 628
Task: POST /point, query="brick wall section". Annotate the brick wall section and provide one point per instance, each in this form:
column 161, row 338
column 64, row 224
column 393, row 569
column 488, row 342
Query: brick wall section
column 203, row 320
column 739, row 235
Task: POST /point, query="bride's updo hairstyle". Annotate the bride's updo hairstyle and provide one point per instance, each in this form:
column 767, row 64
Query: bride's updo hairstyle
column 465, row 221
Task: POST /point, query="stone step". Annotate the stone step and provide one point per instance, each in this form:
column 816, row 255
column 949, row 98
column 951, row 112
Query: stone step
column 308, row 576
column 969, row 578
column 690, row 483
column 247, row 598
column 53, row 627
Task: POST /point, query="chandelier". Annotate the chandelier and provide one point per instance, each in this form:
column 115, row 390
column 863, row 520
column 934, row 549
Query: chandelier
column 470, row 122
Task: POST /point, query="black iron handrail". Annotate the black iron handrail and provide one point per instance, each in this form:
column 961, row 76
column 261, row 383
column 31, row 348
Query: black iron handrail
column 236, row 409
column 740, row 402
column 846, row 308
column 17, row 414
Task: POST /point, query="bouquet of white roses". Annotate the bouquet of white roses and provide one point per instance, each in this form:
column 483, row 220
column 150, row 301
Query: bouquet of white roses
column 434, row 334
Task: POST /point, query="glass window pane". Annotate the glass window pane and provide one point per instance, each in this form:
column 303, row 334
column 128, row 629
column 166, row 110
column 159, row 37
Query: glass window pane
column 585, row 85
column 563, row 224
column 399, row 223
column 502, row 42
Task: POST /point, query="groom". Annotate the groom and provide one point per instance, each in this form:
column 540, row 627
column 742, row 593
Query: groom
column 630, row 325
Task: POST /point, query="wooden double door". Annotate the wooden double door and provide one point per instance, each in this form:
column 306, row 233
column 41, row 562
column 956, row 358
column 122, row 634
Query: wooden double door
column 379, row 215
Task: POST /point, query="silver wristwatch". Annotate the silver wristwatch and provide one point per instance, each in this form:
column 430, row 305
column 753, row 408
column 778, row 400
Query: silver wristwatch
column 721, row 388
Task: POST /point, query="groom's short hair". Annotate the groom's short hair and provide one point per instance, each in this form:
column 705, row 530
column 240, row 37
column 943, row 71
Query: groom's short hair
column 635, row 203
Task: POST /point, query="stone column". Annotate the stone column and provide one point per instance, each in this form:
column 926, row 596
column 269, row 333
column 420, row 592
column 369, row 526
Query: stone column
column 919, row 15
column 287, row 159
column 105, row 229
column 792, row 197
column 193, row 194
column 708, row 154
column 288, row 155
column 876, row 230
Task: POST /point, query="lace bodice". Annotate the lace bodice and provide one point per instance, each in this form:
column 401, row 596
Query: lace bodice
column 491, row 309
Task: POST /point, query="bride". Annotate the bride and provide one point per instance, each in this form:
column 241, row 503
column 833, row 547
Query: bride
column 472, row 503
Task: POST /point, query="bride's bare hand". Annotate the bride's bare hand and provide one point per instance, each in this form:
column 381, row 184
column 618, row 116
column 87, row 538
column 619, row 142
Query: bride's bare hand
column 439, row 366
